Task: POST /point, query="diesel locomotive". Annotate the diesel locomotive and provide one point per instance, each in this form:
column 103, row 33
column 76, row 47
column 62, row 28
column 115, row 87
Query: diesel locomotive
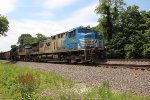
column 80, row 44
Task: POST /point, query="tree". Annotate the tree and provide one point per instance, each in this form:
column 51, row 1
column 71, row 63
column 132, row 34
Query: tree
column 14, row 46
column 146, row 46
column 115, row 47
column 133, row 28
column 26, row 39
column 109, row 12
column 4, row 25
column 109, row 26
column 135, row 48
column 146, row 31
column 40, row 37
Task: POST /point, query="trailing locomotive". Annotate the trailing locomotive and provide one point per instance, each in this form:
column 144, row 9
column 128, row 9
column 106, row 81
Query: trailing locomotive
column 5, row 55
column 80, row 44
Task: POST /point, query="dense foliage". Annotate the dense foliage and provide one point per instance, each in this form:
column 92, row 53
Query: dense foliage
column 14, row 46
column 126, row 30
column 26, row 39
column 40, row 37
column 4, row 25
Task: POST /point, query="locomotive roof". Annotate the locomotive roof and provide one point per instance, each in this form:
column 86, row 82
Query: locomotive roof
column 88, row 27
column 78, row 28
column 56, row 34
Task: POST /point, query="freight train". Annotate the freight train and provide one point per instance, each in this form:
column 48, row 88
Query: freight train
column 81, row 44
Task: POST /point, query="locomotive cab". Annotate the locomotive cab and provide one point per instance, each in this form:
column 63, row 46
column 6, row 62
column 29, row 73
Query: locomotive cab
column 89, row 39
column 70, row 42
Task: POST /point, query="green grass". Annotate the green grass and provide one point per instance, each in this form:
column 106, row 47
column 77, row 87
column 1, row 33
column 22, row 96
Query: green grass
column 48, row 82
column 20, row 82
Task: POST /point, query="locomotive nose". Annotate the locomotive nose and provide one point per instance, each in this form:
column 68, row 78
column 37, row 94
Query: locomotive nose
column 87, row 41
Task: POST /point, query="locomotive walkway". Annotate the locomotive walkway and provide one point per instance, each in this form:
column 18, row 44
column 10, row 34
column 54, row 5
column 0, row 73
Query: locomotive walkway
column 120, row 79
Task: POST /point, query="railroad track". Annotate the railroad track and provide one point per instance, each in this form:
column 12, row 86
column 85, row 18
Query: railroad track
column 131, row 66
column 143, row 64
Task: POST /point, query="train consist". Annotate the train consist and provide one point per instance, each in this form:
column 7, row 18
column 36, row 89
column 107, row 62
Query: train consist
column 80, row 44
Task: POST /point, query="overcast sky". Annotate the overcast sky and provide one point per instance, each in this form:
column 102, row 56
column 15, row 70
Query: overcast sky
column 50, row 16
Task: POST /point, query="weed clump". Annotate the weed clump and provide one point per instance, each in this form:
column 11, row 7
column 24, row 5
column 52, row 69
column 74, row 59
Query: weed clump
column 28, row 86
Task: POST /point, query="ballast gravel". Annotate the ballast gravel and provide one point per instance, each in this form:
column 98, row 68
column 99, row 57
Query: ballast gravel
column 120, row 79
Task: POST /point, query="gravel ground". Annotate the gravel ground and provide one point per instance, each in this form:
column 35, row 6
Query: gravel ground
column 122, row 80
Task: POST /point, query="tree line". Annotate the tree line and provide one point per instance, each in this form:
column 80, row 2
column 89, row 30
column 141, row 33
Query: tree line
column 126, row 29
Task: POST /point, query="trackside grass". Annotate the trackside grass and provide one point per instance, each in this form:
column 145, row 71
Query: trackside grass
column 18, row 83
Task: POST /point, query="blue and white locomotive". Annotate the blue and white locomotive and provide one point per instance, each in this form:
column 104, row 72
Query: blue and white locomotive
column 83, row 38
column 80, row 44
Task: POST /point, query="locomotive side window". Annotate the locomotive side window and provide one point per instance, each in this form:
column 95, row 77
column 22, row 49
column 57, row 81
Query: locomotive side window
column 54, row 37
column 71, row 34
column 62, row 35
column 58, row 35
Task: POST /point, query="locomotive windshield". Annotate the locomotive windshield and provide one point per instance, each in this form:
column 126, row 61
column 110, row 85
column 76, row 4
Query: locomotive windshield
column 84, row 30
